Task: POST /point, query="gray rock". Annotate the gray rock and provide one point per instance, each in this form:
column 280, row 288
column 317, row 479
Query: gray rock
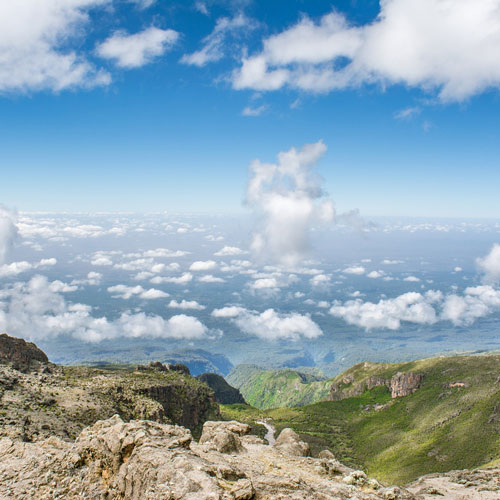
column 289, row 442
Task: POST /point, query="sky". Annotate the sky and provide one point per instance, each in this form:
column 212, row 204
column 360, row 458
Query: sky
column 147, row 105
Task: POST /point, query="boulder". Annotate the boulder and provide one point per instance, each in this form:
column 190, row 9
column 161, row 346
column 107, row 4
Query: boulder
column 289, row 443
column 224, row 436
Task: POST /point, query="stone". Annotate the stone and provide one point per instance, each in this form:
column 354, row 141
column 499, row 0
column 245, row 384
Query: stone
column 326, row 454
column 289, row 443
column 224, row 436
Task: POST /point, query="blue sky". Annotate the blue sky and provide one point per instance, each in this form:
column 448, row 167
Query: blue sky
column 131, row 125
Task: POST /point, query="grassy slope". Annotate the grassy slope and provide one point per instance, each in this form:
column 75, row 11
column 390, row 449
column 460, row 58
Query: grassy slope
column 276, row 388
column 436, row 429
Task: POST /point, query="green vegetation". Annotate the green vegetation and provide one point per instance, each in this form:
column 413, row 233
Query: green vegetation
column 274, row 388
column 448, row 423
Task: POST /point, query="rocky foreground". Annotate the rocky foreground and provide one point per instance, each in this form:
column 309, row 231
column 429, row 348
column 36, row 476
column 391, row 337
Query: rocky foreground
column 145, row 460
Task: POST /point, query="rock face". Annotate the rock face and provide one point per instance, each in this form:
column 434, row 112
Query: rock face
column 289, row 442
column 21, row 355
column 403, row 384
column 400, row 385
column 224, row 393
column 143, row 460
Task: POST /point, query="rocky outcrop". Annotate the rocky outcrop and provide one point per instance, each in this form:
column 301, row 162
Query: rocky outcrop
column 21, row 355
column 459, row 484
column 60, row 401
column 404, row 384
column 224, row 436
column 289, row 442
column 401, row 384
column 143, row 460
column 224, row 393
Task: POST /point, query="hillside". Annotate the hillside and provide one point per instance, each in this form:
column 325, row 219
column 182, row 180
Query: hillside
column 224, row 393
column 450, row 421
column 276, row 388
column 39, row 399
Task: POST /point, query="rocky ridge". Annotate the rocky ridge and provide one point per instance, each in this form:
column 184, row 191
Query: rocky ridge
column 39, row 400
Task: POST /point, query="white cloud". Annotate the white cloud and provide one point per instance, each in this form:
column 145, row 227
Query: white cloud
column 490, row 264
column 228, row 312
column 375, row 274
column 320, row 280
column 436, row 45
column 389, row 262
column 8, row 230
column 34, row 45
column 354, row 270
column 407, row 113
column 126, row 292
column 411, row 307
column 35, row 311
column 177, row 280
column 209, row 278
column 250, row 111
column 229, row 251
column 270, row 325
column 476, row 302
column 165, row 252
column 203, row 265
column 14, row 268
column 93, row 278
column 133, row 51
column 288, row 196
column 214, row 44
column 186, row 304
column 411, row 279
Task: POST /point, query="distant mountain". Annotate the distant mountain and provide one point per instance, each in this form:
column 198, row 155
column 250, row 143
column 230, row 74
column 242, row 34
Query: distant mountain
column 200, row 361
column 224, row 393
column 274, row 388
column 396, row 421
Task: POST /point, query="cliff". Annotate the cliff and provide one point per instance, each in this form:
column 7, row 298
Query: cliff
column 50, row 400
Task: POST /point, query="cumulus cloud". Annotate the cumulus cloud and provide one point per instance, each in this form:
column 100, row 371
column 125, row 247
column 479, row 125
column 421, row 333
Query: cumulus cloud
column 15, row 268
column 126, row 292
column 289, row 199
column 413, row 307
column 270, row 325
column 214, row 45
column 177, row 280
column 449, row 47
column 354, row 270
column 229, row 251
column 490, row 264
column 8, row 230
column 133, row 51
column 186, row 304
column 209, row 278
column 34, row 45
column 203, row 265
column 36, row 310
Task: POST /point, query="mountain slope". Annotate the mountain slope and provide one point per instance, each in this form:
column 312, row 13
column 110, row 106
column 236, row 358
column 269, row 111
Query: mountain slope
column 450, row 421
